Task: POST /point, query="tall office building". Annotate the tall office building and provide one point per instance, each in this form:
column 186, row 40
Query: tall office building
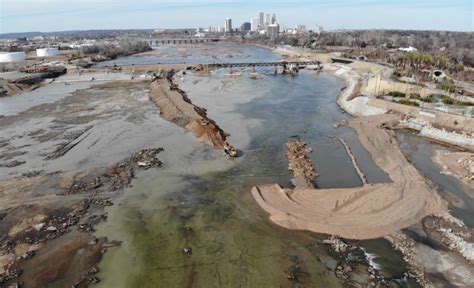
column 274, row 19
column 255, row 24
column 228, row 25
column 261, row 20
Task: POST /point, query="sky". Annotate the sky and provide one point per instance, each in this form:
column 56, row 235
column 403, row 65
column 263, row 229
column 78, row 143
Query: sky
column 62, row 15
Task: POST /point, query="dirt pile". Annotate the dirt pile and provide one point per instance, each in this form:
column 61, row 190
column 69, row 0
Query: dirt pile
column 176, row 107
column 300, row 163
column 370, row 211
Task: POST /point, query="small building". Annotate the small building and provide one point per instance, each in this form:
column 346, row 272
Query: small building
column 47, row 52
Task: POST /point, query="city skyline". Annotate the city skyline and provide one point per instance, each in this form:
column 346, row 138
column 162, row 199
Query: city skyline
column 52, row 15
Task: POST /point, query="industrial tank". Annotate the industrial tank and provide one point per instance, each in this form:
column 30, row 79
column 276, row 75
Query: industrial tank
column 47, row 52
column 12, row 57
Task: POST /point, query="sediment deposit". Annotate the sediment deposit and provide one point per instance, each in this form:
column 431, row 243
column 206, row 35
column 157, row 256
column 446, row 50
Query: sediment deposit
column 367, row 212
column 176, row 107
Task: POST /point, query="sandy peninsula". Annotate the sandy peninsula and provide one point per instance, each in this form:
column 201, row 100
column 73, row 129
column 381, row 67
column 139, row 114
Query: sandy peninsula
column 366, row 212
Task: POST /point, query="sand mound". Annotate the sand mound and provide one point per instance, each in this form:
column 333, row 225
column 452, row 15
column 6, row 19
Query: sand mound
column 176, row 107
column 371, row 211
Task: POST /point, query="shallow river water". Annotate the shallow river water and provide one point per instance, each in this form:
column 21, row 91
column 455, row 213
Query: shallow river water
column 200, row 198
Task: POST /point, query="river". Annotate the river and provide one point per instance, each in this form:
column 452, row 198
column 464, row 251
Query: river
column 200, row 199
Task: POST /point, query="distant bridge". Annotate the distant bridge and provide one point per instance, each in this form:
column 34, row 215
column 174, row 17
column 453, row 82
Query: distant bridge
column 260, row 64
column 163, row 42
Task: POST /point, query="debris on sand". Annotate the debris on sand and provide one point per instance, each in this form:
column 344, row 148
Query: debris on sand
column 146, row 158
column 458, row 164
column 117, row 176
column 300, row 163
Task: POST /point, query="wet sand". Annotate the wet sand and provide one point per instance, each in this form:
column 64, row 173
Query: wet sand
column 366, row 212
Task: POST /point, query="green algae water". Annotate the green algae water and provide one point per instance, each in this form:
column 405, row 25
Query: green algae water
column 200, row 199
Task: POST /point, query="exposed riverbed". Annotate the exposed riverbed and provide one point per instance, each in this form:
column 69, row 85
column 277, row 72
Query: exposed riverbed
column 193, row 222
column 201, row 199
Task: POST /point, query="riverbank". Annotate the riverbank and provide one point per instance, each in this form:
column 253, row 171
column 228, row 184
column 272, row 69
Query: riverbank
column 438, row 126
column 416, row 253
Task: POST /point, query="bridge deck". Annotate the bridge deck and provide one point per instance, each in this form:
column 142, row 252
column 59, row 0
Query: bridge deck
column 258, row 64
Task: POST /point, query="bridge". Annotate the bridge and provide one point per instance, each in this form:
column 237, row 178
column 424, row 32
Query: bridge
column 261, row 64
column 175, row 41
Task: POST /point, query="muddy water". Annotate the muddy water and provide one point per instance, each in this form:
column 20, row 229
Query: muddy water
column 201, row 199
column 458, row 194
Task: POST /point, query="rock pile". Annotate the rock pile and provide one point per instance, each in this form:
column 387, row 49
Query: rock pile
column 300, row 163
column 404, row 244
column 468, row 165
column 146, row 158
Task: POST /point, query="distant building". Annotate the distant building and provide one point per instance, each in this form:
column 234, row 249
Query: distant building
column 228, row 25
column 300, row 29
column 261, row 20
column 245, row 27
column 274, row 19
column 273, row 30
column 255, row 24
column 268, row 20
column 319, row 29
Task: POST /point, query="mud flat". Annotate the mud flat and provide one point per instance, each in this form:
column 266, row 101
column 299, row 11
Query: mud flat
column 366, row 212
column 176, row 107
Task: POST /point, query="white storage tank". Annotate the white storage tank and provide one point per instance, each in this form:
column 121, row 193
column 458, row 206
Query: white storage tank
column 9, row 57
column 47, row 52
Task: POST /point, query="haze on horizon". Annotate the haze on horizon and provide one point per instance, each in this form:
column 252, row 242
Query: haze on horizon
column 60, row 15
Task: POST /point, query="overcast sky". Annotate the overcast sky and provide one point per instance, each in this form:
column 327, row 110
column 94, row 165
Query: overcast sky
column 61, row 15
